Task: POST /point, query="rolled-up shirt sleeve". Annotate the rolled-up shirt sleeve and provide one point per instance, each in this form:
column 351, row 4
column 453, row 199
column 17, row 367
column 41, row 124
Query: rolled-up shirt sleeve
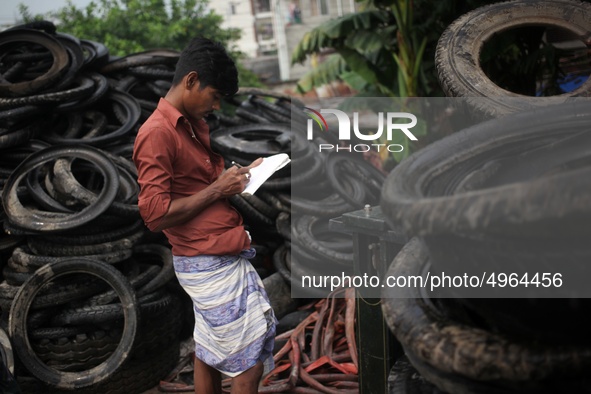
column 153, row 154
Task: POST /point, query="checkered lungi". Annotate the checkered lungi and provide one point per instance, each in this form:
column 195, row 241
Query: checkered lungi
column 234, row 322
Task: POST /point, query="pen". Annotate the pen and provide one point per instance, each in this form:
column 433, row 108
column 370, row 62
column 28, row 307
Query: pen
column 236, row 164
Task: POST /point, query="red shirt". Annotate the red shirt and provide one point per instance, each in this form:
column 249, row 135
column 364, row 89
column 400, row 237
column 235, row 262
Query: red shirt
column 172, row 164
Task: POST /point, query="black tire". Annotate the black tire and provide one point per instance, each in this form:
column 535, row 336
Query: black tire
column 423, row 193
column 300, row 268
column 276, row 112
column 8, row 242
column 249, row 114
column 46, row 26
column 39, row 246
column 365, row 180
column 18, row 135
column 250, row 91
column 404, row 379
column 48, row 221
column 55, row 294
column 58, row 67
column 311, row 171
column 6, row 355
column 23, row 259
column 227, row 121
column 39, row 194
column 90, row 239
column 279, row 264
column 331, row 206
column 146, row 58
column 273, row 201
column 326, row 250
column 26, row 295
column 7, row 293
column 283, row 225
column 164, row 257
column 458, row 51
column 253, row 141
column 153, row 72
column 137, row 376
column 17, row 155
column 49, row 333
column 129, row 110
column 102, row 224
column 466, row 352
column 14, row 114
column 159, row 87
column 86, row 350
column 72, row 45
column 262, row 206
column 13, row 277
column 84, row 88
column 478, row 208
column 101, row 88
column 98, row 314
column 251, row 215
column 85, row 347
column 137, row 281
column 96, row 54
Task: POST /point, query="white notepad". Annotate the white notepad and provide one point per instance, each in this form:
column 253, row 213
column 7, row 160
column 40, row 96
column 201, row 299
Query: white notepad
column 262, row 172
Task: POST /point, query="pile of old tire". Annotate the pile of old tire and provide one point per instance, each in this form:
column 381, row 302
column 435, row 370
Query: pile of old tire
column 146, row 76
column 55, row 77
column 81, row 323
column 503, row 196
column 84, row 212
column 72, row 331
column 69, row 197
column 69, row 188
column 70, row 191
column 294, row 206
column 459, row 48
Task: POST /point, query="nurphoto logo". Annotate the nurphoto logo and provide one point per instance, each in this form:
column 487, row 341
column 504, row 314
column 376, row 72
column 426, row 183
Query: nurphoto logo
column 390, row 120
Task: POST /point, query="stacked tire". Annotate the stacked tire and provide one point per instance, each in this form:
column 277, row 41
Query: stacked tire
column 504, row 196
column 69, row 113
column 86, row 293
column 294, row 206
column 459, row 49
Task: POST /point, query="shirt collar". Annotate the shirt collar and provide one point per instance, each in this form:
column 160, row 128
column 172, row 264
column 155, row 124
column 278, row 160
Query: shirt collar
column 174, row 116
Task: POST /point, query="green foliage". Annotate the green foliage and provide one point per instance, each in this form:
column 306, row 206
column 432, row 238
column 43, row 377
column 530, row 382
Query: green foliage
column 396, row 40
column 386, row 49
column 326, row 72
column 127, row 26
column 130, row 26
column 359, row 40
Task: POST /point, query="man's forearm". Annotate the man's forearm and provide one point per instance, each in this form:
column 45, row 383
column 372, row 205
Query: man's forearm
column 186, row 208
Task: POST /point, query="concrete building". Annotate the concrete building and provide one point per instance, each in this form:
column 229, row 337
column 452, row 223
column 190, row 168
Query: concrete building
column 239, row 14
column 289, row 33
column 272, row 28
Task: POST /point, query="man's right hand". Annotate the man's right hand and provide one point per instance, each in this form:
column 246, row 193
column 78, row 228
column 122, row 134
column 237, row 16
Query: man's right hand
column 234, row 179
column 230, row 182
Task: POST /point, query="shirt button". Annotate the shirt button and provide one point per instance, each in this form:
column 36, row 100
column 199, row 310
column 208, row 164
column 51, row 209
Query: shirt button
column 207, row 161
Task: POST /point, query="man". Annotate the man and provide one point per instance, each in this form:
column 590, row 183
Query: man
column 183, row 192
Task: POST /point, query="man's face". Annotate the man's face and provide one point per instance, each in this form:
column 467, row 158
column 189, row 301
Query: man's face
column 200, row 102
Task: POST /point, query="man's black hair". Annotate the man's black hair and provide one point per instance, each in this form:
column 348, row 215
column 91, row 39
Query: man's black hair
column 212, row 63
